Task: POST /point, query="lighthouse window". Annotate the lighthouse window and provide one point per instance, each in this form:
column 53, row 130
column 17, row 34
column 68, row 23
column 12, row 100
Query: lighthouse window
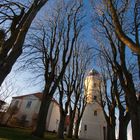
column 85, row 127
column 95, row 97
column 95, row 113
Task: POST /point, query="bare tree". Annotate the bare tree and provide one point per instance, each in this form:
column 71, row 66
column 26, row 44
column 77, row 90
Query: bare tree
column 74, row 76
column 66, row 88
column 119, row 62
column 107, row 99
column 120, row 11
column 8, row 89
column 136, row 28
column 116, row 98
column 82, row 60
column 124, row 116
column 17, row 17
column 81, row 105
column 49, row 52
column 117, row 7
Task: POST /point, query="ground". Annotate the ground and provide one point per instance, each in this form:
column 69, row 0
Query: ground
column 23, row 134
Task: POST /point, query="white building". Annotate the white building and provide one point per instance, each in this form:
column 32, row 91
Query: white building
column 28, row 108
column 93, row 125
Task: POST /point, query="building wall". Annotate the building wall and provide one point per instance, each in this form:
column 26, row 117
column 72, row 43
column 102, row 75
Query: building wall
column 93, row 123
column 32, row 111
column 92, row 88
column 27, row 111
column 55, row 118
column 49, row 116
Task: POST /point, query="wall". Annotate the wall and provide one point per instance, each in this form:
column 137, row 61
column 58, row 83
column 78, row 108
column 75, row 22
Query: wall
column 28, row 111
column 94, row 123
column 92, row 85
column 55, row 118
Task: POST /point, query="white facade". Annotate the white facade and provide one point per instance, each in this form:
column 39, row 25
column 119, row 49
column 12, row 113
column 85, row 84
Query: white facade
column 28, row 108
column 93, row 125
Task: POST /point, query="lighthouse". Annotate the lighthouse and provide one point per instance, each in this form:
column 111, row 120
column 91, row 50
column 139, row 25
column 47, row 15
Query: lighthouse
column 93, row 124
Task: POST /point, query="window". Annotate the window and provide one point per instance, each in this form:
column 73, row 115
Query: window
column 57, row 121
column 28, row 105
column 85, row 127
column 94, row 97
column 95, row 113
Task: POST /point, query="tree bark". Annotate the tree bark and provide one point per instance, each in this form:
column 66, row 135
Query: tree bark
column 123, row 123
column 13, row 46
column 133, row 107
column 122, row 131
column 132, row 102
column 41, row 121
column 119, row 31
column 110, row 132
column 7, row 66
column 61, row 127
column 138, row 57
column 72, row 117
column 77, row 129
column 135, row 124
column 70, row 130
column 134, row 112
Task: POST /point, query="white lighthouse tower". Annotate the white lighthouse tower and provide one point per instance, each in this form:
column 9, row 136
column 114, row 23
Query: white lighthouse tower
column 93, row 125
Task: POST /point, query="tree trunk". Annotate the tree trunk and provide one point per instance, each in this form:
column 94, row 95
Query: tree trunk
column 122, row 131
column 132, row 103
column 61, row 127
column 134, row 112
column 118, row 29
column 135, row 125
column 17, row 45
column 138, row 65
column 77, row 129
column 110, row 132
column 6, row 69
column 70, row 131
column 41, row 121
column 123, row 123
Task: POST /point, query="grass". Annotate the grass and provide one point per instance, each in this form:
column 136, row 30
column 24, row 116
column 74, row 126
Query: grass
column 23, row 134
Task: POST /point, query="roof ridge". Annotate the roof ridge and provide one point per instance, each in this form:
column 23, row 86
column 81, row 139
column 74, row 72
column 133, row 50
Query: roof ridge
column 37, row 94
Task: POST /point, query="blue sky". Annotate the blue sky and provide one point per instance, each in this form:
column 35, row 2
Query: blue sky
column 22, row 79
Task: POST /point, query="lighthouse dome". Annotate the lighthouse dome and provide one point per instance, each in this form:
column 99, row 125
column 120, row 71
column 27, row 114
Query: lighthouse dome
column 93, row 72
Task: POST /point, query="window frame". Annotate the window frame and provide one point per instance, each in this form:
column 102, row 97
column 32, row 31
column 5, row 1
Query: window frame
column 29, row 103
column 95, row 112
